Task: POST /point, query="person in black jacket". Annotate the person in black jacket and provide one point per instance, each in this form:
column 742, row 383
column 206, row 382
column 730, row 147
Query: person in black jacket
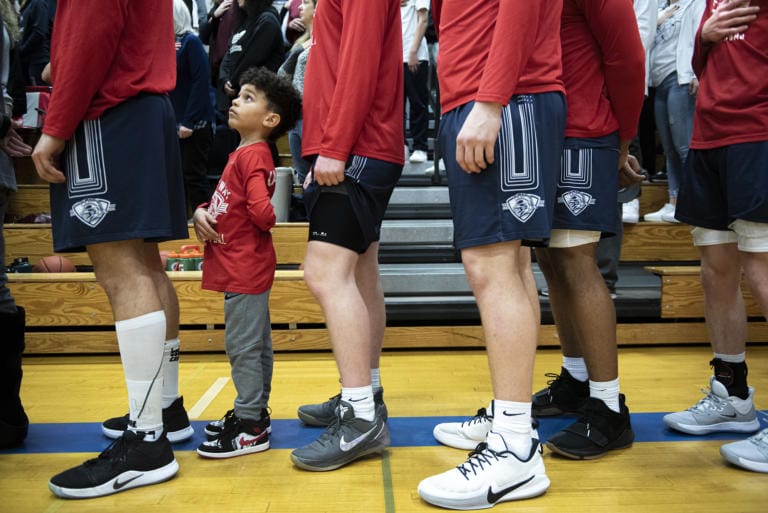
column 257, row 42
column 35, row 46
column 13, row 418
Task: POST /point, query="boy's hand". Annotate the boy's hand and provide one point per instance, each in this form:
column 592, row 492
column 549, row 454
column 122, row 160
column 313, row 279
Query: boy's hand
column 205, row 226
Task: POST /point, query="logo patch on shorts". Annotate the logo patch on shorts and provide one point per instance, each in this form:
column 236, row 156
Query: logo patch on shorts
column 92, row 211
column 523, row 205
column 576, row 201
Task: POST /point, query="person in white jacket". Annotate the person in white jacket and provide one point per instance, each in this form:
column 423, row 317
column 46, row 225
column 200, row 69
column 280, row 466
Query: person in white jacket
column 676, row 86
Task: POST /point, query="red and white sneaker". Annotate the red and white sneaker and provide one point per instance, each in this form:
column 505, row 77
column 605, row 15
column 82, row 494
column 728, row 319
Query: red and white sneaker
column 237, row 437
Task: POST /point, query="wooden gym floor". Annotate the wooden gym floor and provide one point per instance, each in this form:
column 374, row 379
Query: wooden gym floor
column 67, row 397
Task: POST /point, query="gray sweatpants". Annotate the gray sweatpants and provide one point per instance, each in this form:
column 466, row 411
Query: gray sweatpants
column 248, row 341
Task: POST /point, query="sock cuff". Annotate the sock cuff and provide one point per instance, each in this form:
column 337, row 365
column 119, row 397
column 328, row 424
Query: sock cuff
column 576, row 367
column 357, row 392
column 605, row 385
column 141, row 321
column 731, row 358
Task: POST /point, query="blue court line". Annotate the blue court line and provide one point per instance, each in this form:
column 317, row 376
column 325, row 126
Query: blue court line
column 289, row 434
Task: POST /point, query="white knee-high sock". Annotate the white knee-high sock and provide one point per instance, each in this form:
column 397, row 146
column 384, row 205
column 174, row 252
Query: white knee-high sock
column 170, row 371
column 141, row 350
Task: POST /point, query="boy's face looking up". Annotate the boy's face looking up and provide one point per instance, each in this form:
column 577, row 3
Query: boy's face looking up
column 250, row 113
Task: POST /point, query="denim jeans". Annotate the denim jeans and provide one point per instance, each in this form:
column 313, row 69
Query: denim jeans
column 674, row 107
column 300, row 166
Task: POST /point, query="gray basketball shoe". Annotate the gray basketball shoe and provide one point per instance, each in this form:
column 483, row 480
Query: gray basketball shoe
column 324, row 414
column 716, row 411
column 751, row 454
column 347, row 439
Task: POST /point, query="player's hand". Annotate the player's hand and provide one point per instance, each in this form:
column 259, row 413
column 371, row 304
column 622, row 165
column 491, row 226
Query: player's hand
column 477, row 137
column 328, row 171
column 229, row 89
column 205, row 226
column 46, row 156
column 630, row 173
column 730, row 18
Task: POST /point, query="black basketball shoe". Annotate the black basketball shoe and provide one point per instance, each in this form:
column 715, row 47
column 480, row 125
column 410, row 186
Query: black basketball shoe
column 175, row 422
column 565, row 394
column 127, row 463
column 599, row 430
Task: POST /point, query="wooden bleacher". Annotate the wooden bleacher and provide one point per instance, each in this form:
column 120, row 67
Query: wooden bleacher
column 682, row 296
column 69, row 313
column 34, row 241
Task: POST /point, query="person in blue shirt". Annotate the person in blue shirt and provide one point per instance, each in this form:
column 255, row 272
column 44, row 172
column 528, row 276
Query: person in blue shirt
column 193, row 107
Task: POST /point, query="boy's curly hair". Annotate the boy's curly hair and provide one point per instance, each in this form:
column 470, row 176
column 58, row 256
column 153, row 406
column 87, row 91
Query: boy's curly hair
column 281, row 96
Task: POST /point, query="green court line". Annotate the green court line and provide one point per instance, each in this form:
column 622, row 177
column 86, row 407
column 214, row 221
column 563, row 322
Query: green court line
column 386, row 475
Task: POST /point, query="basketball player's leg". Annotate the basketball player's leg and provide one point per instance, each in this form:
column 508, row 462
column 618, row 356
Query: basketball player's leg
column 369, row 285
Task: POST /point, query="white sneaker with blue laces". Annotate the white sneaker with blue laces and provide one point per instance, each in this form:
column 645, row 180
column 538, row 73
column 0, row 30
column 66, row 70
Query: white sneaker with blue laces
column 487, row 478
column 468, row 434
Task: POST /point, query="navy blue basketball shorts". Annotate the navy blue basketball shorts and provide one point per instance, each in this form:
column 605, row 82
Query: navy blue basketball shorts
column 513, row 198
column 721, row 185
column 123, row 178
column 350, row 214
column 588, row 184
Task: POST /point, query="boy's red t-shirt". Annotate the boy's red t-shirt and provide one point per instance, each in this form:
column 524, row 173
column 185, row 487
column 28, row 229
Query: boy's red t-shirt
column 244, row 259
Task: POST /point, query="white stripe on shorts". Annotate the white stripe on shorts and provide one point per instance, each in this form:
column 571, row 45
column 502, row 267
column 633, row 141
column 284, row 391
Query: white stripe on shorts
column 95, row 181
column 581, row 177
column 527, row 178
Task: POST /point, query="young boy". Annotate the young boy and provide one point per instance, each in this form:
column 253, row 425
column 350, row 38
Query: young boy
column 240, row 259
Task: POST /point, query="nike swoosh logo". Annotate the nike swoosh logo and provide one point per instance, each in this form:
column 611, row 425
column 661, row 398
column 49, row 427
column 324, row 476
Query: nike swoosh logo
column 510, row 414
column 118, row 485
column 731, row 416
column 493, row 497
column 347, row 446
